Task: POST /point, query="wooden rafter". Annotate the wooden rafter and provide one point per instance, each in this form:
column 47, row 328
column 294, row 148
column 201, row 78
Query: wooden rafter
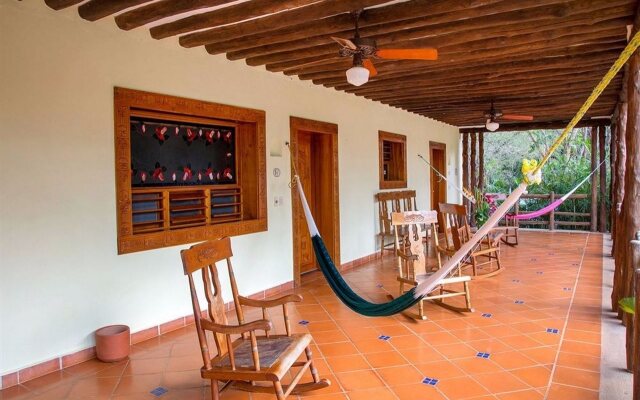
column 539, row 57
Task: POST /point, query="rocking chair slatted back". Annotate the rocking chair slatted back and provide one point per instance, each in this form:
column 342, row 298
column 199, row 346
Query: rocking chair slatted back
column 392, row 202
column 455, row 226
column 411, row 252
column 203, row 257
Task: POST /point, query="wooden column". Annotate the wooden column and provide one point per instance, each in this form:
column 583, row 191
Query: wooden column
column 481, row 161
column 602, row 220
column 618, row 194
column 631, row 201
column 594, row 179
column 465, row 165
column 473, row 173
column 613, row 152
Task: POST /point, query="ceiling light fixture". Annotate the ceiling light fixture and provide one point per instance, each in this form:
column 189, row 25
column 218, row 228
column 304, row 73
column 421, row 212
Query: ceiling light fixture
column 357, row 75
column 492, row 126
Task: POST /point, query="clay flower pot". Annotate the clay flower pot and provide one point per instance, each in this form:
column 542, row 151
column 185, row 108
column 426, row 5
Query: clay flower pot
column 113, row 343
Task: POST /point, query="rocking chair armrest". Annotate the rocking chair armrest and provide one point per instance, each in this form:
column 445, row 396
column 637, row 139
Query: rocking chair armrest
column 261, row 324
column 406, row 257
column 290, row 298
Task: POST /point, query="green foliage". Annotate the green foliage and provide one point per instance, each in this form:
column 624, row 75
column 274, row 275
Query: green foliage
column 504, row 152
column 628, row 305
column 482, row 209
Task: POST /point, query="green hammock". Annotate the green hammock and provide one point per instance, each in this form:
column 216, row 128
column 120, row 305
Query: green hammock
column 351, row 298
column 408, row 299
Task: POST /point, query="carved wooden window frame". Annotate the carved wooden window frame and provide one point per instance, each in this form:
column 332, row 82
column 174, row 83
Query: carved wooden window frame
column 400, row 165
column 250, row 125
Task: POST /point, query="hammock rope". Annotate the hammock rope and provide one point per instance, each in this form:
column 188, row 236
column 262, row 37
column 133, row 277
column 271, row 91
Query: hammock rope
column 532, row 174
column 555, row 204
column 463, row 191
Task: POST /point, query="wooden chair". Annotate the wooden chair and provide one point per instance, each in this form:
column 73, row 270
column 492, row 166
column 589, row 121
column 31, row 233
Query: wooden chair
column 243, row 362
column 456, row 232
column 412, row 260
column 388, row 202
column 511, row 225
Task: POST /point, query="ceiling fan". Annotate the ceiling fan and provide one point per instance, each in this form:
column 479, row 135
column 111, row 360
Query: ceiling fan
column 362, row 50
column 493, row 115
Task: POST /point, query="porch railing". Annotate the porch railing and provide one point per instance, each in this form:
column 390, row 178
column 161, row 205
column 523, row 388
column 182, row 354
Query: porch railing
column 555, row 219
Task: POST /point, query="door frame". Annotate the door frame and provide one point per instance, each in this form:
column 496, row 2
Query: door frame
column 438, row 146
column 297, row 124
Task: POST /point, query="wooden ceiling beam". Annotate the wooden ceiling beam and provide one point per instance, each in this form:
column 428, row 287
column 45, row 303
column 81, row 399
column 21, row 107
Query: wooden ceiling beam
column 453, row 32
column 390, row 14
column 163, row 9
column 93, row 10
column 309, row 12
column 503, row 94
column 507, row 103
column 61, row 4
column 590, row 116
column 527, row 126
column 491, row 53
column 495, row 46
column 387, row 76
column 389, row 68
column 457, row 80
column 525, row 82
column 227, row 15
column 476, row 111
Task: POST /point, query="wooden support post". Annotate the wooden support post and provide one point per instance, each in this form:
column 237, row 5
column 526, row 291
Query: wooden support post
column 481, row 161
column 613, row 147
column 473, row 173
column 631, row 202
column 635, row 360
column 602, row 223
column 552, row 214
column 594, row 179
column 618, row 194
column 465, row 165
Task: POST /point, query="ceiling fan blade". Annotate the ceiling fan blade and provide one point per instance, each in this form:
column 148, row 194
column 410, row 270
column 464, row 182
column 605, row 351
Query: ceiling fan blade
column 345, row 43
column 368, row 64
column 515, row 117
column 408, row 54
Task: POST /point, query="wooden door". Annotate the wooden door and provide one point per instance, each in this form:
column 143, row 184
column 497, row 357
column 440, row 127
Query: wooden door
column 315, row 155
column 438, row 159
column 306, row 171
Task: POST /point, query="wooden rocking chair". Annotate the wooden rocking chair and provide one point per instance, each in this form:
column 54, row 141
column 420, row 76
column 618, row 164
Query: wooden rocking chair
column 412, row 260
column 456, row 229
column 245, row 361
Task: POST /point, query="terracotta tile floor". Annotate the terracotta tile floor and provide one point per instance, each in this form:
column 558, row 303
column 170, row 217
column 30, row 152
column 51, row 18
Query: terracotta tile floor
column 556, row 275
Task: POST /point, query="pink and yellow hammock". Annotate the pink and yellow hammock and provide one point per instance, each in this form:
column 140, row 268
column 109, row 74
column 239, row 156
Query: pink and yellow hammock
column 553, row 205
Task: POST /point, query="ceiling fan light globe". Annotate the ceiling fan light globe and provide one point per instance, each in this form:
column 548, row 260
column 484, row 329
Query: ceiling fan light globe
column 357, row 76
column 492, row 126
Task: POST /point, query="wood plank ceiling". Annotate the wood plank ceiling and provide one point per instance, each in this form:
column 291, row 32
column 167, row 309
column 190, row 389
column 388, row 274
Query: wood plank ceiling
column 537, row 57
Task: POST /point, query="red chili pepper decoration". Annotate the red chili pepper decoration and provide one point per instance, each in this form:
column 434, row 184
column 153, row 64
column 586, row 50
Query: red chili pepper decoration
column 161, row 134
column 190, row 136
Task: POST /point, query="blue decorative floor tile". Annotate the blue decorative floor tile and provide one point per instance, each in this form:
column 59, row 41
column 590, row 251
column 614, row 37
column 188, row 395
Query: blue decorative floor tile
column 534, row 259
column 384, row 337
column 515, row 280
column 486, row 315
column 159, row 391
column 379, row 285
column 304, row 322
column 430, row 381
column 539, row 273
column 519, row 301
column 483, row 355
column 552, row 330
column 566, row 289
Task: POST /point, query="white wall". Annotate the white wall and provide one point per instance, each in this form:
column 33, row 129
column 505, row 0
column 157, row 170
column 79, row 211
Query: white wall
column 61, row 277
